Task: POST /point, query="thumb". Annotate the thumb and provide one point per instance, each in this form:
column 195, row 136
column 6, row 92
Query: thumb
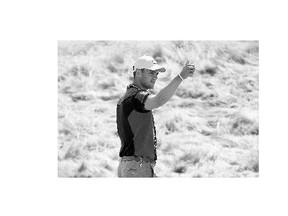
column 187, row 63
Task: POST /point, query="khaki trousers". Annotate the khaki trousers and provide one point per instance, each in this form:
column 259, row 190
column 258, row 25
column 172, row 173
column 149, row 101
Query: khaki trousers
column 136, row 169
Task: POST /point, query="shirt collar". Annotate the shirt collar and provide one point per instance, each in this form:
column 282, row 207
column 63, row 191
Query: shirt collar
column 135, row 86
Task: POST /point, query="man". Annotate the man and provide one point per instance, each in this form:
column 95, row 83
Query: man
column 135, row 121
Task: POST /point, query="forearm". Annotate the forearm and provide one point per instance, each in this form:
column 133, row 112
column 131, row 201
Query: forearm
column 164, row 95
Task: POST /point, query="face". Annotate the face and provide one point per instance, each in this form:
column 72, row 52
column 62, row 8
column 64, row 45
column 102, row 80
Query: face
column 148, row 78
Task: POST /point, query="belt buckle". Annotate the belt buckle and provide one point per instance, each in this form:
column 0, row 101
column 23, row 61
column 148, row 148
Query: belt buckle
column 141, row 161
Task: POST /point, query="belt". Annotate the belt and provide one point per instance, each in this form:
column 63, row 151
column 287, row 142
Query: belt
column 135, row 158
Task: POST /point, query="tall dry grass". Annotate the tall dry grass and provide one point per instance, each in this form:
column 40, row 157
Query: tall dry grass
column 209, row 128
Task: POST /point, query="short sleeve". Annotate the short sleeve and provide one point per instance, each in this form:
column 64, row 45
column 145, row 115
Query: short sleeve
column 140, row 99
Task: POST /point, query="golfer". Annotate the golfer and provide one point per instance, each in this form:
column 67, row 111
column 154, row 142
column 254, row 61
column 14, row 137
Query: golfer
column 135, row 122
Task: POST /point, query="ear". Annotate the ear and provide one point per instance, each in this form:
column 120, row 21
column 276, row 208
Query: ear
column 138, row 73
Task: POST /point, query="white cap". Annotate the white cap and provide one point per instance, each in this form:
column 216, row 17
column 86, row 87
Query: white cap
column 147, row 62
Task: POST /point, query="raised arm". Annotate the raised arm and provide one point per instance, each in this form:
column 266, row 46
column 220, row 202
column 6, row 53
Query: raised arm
column 164, row 95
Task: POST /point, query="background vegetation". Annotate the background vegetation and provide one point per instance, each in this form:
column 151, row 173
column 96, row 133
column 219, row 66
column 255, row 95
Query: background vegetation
column 209, row 128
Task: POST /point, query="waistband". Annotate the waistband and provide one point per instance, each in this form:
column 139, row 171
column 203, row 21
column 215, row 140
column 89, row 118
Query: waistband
column 135, row 158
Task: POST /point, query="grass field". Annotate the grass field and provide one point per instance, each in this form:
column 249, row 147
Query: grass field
column 209, row 128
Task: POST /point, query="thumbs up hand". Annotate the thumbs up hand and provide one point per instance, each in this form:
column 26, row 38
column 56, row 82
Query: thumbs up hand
column 188, row 70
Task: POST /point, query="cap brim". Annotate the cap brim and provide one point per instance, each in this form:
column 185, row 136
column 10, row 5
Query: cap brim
column 158, row 68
